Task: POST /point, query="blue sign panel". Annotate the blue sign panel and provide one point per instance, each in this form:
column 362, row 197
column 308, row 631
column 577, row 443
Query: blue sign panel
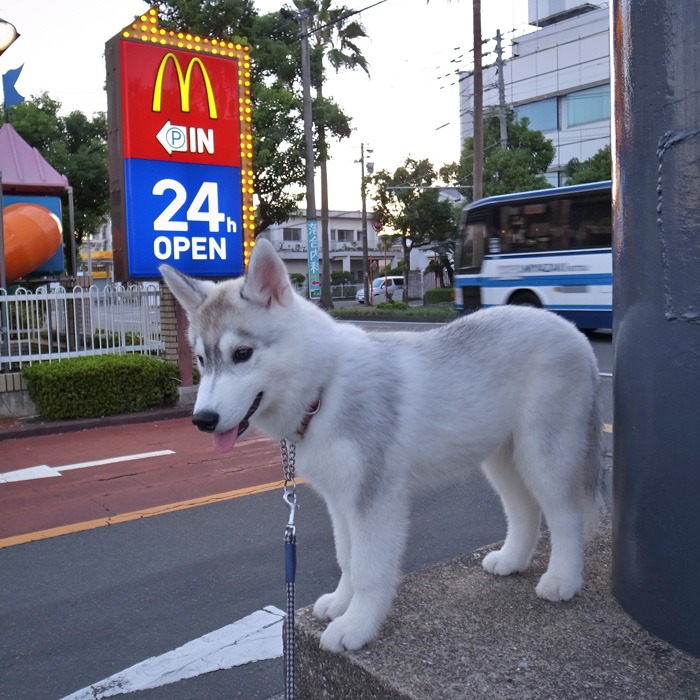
column 185, row 215
column 314, row 269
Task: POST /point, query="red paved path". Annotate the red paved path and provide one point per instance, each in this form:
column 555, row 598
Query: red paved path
column 194, row 471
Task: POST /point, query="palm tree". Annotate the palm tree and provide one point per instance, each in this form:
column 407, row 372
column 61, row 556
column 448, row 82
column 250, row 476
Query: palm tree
column 333, row 40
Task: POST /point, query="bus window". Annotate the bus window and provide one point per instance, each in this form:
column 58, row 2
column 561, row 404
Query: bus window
column 525, row 229
column 535, row 227
column 592, row 223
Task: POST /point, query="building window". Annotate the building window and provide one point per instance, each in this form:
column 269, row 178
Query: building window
column 591, row 105
column 345, row 235
column 291, row 234
column 542, row 115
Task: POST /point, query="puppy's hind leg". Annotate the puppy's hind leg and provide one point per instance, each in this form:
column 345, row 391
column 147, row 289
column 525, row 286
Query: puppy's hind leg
column 522, row 514
column 550, row 472
column 564, row 576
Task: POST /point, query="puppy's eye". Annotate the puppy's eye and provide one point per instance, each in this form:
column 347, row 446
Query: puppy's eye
column 242, row 354
column 200, row 359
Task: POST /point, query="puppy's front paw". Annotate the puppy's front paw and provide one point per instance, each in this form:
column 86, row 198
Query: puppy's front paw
column 502, row 565
column 346, row 635
column 330, row 606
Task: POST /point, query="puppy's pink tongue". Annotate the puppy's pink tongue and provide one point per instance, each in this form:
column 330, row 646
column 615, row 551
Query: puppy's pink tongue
column 224, row 442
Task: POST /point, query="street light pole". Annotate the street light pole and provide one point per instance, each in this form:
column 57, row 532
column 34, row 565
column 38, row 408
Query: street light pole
column 311, row 221
column 365, row 249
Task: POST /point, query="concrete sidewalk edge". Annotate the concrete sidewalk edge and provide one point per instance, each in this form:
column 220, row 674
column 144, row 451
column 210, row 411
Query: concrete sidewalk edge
column 456, row 632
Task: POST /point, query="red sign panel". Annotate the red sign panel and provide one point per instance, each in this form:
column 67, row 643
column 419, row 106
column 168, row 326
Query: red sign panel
column 179, row 106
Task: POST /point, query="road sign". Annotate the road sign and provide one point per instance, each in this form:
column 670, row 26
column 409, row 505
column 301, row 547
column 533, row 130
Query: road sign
column 377, row 225
column 180, row 152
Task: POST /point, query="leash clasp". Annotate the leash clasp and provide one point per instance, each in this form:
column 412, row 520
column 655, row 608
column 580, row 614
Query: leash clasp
column 290, row 498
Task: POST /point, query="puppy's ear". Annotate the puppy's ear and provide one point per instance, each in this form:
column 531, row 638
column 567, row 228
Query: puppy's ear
column 190, row 292
column 267, row 282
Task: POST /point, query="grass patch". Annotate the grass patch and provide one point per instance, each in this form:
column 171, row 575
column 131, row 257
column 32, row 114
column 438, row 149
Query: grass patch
column 397, row 312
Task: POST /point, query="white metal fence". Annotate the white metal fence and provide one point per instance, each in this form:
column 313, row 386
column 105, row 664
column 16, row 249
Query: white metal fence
column 54, row 323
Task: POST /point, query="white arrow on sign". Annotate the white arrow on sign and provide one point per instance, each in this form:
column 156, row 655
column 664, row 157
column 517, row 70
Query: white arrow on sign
column 43, row 471
column 256, row 637
column 172, row 137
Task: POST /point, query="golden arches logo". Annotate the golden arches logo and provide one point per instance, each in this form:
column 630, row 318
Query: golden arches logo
column 185, row 83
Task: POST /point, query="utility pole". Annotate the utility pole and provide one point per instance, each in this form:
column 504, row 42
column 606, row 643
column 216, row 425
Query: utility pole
column 501, row 90
column 311, row 222
column 656, row 334
column 365, row 251
column 478, row 137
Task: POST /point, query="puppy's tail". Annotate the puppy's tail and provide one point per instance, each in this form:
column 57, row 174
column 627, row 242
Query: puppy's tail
column 595, row 484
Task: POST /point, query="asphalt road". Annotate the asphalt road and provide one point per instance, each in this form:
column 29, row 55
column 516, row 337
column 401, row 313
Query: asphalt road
column 77, row 608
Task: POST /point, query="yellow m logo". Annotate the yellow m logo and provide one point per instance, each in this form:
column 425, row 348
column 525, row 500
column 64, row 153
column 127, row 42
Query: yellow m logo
column 185, row 83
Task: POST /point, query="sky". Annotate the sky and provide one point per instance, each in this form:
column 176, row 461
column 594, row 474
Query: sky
column 409, row 106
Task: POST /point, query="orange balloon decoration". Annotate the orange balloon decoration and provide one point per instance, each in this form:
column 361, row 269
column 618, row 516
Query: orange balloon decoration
column 33, row 234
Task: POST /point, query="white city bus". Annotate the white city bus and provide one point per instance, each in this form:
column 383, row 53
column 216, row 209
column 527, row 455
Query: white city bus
column 550, row 248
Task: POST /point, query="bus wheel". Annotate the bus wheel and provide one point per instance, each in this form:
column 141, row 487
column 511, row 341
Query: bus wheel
column 525, row 299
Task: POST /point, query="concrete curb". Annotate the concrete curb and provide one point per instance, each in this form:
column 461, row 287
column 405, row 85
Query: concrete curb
column 36, row 425
column 456, row 632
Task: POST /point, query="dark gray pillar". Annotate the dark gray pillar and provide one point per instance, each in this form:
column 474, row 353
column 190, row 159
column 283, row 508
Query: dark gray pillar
column 656, row 270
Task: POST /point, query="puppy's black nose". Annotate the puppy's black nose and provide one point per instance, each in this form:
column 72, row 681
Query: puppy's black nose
column 206, row 420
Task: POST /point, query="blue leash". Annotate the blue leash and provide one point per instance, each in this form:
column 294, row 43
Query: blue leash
column 290, row 567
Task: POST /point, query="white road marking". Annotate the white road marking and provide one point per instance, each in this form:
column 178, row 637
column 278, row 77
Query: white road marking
column 114, row 460
column 44, row 471
column 256, row 637
column 40, row 472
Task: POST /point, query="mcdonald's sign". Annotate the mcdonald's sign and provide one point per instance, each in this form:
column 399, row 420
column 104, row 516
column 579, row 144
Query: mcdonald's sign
column 180, row 152
column 184, row 82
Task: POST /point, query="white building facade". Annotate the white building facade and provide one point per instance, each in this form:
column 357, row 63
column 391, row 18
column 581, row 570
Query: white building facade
column 558, row 77
column 345, row 234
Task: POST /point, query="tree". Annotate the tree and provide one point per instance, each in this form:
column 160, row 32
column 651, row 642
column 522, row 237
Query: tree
column 77, row 148
column 409, row 203
column 443, row 261
column 332, row 39
column 597, row 167
column 278, row 145
column 278, row 136
column 517, row 168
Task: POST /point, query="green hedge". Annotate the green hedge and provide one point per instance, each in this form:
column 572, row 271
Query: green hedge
column 439, row 295
column 101, row 385
column 392, row 306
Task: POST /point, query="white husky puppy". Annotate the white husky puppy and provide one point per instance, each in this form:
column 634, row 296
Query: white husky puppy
column 512, row 390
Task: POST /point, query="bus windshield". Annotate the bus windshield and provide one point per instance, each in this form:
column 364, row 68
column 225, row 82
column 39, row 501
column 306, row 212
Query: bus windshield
column 471, row 249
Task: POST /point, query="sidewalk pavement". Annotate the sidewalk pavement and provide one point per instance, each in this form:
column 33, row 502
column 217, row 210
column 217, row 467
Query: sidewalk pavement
column 457, row 633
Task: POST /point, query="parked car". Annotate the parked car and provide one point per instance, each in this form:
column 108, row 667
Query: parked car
column 394, row 286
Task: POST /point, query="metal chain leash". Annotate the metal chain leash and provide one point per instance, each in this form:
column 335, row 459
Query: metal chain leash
column 290, row 563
